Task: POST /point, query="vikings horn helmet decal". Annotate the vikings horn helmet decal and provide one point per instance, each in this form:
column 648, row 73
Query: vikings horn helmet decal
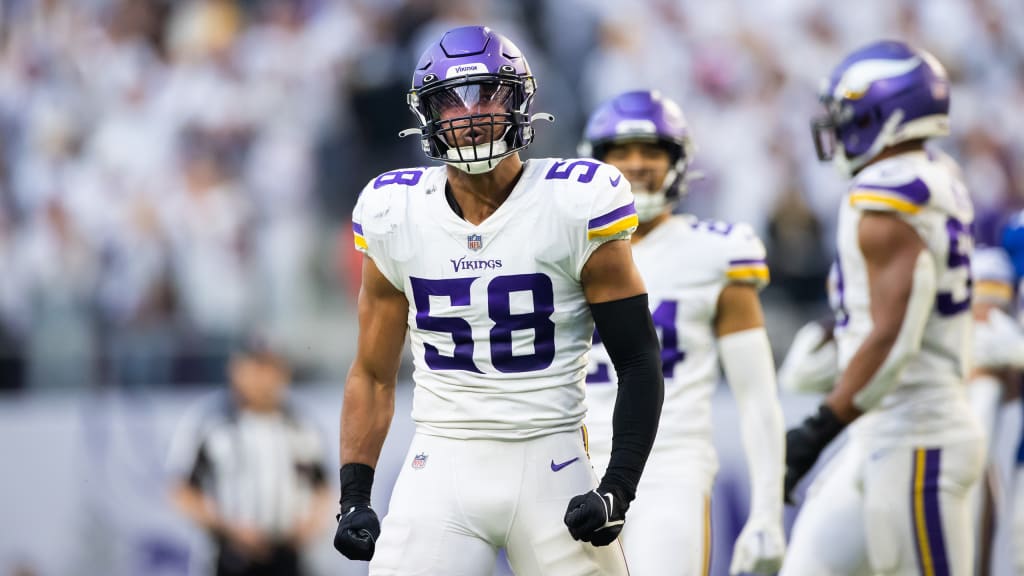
column 880, row 95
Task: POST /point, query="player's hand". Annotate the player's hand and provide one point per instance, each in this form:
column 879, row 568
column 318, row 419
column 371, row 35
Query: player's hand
column 811, row 365
column 305, row 530
column 358, row 530
column 805, row 443
column 759, row 548
column 248, row 540
column 596, row 517
column 998, row 342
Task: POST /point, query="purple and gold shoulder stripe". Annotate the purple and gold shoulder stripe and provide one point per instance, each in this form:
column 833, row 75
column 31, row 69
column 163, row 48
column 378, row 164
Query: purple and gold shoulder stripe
column 620, row 220
column 908, row 198
column 357, row 236
column 753, row 270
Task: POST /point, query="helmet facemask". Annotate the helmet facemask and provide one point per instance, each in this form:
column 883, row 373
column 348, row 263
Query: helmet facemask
column 475, row 121
column 841, row 124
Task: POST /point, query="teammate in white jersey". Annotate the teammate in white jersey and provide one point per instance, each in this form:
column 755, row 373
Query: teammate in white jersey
column 500, row 270
column 999, row 351
column 703, row 278
column 894, row 500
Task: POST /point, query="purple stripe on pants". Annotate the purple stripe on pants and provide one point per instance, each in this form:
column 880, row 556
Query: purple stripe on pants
column 932, row 515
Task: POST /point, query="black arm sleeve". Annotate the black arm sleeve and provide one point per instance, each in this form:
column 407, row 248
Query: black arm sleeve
column 628, row 334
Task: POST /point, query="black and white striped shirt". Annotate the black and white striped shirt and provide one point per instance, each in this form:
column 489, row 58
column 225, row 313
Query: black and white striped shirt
column 261, row 469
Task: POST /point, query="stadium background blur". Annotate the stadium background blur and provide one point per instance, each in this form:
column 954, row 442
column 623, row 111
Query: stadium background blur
column 176, row 175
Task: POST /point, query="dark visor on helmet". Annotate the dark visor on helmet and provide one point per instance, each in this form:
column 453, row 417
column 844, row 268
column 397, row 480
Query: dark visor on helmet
column 471, row 114
column 468, row 100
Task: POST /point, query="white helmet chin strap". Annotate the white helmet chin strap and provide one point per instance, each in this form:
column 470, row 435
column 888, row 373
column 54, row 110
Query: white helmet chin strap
column 493, row 151
column 649, row 205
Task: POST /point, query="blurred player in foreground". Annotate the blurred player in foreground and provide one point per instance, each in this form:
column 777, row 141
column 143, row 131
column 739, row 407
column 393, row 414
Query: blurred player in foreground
column 999, row 350
column 895, row 499
column 703, row 278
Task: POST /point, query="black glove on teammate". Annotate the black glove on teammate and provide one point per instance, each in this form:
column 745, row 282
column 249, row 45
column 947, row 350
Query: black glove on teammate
column 806, row 442
column 597, row 516
column 358, row 526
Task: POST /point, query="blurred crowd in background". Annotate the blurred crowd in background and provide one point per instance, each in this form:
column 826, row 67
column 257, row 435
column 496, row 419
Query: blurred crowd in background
column 177, row 174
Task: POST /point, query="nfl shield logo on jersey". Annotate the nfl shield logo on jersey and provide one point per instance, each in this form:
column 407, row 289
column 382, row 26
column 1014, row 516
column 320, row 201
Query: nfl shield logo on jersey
column 475, row 242
column 419, row 461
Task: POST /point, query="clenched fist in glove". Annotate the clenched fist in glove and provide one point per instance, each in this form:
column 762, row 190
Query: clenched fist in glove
column 358, row 526
column 806, row 442
column 597, row 516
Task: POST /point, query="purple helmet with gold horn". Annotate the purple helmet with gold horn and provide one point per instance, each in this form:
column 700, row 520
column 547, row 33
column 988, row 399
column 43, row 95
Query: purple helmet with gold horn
column 882, row 94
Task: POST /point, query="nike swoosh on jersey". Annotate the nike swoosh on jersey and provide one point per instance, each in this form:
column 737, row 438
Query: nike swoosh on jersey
column 615, row 181
column 557, row 467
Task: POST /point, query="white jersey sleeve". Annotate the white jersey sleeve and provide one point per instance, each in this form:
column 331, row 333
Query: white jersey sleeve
column 993, row 276
column 379, row 213
column 745, row 257
column 889, row 187
column 608, row 205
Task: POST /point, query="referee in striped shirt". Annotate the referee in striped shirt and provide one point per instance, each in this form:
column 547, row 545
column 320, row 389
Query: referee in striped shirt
column 249, row 469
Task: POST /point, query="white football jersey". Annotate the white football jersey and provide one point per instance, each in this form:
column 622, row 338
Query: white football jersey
column 499, row 324
column 925, row 190
column 685, row 263
column 995, row 279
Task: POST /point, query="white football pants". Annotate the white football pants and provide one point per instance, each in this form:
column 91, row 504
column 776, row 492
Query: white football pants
column 668, row 526
column 1018, row 520
column 890, row 511
column 456, row 502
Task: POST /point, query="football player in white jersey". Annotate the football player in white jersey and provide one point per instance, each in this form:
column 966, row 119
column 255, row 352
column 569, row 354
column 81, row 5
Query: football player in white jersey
column 999, row 349
column 895, row 498
column 500, row 270
column 703, row 278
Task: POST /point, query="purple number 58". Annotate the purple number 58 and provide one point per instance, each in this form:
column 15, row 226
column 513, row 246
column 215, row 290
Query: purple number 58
column 499, row 309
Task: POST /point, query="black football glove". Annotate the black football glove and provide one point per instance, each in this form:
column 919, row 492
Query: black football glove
column 597, row 516
column 806, row 442
column 358, row 530
column 358, row 526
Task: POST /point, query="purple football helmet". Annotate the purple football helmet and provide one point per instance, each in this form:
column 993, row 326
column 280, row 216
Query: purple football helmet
column 880, row 95
column 643, row 116
column 473, row 86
